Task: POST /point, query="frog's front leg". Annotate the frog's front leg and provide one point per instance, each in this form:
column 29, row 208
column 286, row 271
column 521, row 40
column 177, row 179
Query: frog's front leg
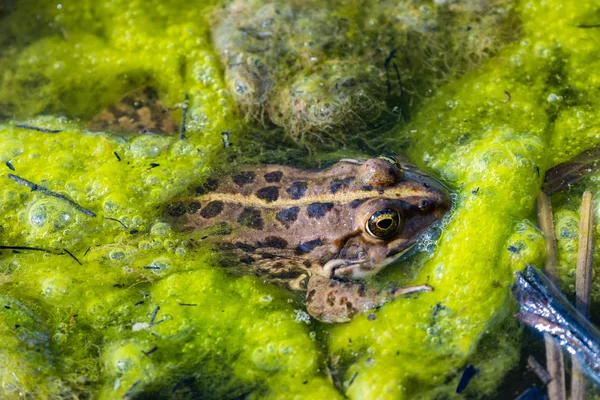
column 334, row 301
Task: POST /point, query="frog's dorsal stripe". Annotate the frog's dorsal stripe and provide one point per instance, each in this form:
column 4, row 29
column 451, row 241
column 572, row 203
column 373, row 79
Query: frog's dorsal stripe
column 339, row 197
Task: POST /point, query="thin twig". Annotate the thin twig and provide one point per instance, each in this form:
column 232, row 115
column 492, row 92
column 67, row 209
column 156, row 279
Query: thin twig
column 554, row 358
column 37, row 128
column 583, row 282
column 73, row 256
column 35, row 187
column 184, row 111
column 540, row 371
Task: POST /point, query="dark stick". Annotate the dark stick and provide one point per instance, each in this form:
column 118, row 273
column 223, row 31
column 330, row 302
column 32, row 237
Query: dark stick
column 24, row 248
column 545, row 309
column 37, row 128
column 72, row 256
column 152, row 350
column 153, row 316
column 114, row 219
column 117, row 155
column 36, row 187
column 184, row 116
column 399, row 80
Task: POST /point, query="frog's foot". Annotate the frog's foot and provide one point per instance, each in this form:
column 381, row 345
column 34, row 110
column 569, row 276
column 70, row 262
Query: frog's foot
column 411, row 290
column 333, row 301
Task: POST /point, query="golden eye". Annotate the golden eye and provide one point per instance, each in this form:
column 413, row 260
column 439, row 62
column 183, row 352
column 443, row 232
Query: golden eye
column 392, row 160
column 384, row 223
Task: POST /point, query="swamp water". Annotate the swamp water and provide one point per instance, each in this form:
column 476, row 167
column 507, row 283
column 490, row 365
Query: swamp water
column 486, row 96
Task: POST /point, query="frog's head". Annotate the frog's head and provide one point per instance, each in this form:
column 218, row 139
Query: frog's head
column 386, row 225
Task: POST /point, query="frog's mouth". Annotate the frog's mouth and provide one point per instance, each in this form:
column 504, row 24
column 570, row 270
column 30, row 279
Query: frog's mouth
column 357, row 268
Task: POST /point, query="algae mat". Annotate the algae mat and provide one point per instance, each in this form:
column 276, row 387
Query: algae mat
column 139, row 312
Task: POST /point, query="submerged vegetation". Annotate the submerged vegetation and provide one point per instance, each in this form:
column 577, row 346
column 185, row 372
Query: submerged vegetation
column 121, row 305
column 327, row 73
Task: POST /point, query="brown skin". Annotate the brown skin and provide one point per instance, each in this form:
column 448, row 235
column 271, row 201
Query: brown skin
column 139, row 111
column 345, row 222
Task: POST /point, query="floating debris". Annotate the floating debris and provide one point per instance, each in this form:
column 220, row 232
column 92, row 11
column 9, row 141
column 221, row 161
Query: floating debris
column 117, row 155
column 72, row 256
column 540, row 371
column 533, row 393
column 583, row 283
column 153, row 315
column 545, row 309
column 468, row 373
column 37, row 128
column 570, row 172
column 35, row 187
column 554, row 357
column 154, row 165
column 225, row 139
column 152, row 350
column 131, row 392
column 25, row 248
column 184, row 111
column 117, row 220
column 9, row 165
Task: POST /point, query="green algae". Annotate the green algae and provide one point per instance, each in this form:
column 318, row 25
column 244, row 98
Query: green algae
column 149, row 314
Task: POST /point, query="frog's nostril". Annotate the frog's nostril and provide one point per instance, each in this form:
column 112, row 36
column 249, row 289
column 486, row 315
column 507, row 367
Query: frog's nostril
column 425, row 205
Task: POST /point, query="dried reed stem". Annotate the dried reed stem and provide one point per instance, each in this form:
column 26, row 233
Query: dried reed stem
column 583, row 283
column 554, row 357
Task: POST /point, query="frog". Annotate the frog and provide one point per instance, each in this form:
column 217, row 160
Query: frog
column 319, row 231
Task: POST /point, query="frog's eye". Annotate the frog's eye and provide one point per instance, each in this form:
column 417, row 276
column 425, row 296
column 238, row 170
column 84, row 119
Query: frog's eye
column 384, row 223
column 392, row 160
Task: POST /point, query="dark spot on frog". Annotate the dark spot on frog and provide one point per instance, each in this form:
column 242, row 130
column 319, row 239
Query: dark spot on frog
column 338, row 184
column 244, row 247
column 208, row 186
column 243, row 178
column 176, row 209
column 310, row 295
column 287, row 216
column 331, row 299
column 362, row 291
column 250, row 217
column 267, row 256
column 297, row 190
column 212, row 209
column 247, row 260
column 318, row 210
column 367, row 188
column 269, row 193
column 286, row 274
column 273, row 177
column 307, row 247
column 357, row 202
column 193, row 207
column 306, row 263
column 274, row 242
